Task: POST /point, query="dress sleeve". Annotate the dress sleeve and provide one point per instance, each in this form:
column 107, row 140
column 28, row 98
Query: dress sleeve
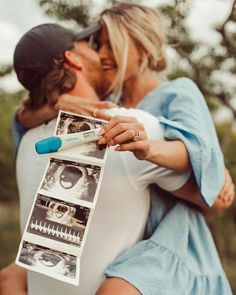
column 185, row 116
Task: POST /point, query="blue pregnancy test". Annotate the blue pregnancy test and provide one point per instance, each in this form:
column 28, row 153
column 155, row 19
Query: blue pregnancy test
column 57, row 143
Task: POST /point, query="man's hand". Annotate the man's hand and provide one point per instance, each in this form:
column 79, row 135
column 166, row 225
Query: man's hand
column 13, row 280
column 81, row 105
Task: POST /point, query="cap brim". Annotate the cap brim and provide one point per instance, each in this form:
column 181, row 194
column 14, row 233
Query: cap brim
column 88, row 32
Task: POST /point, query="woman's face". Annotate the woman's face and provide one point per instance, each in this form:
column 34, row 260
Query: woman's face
column 108, row 62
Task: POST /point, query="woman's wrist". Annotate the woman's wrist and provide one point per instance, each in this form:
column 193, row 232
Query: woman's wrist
column 169, row 154
column 29, row 118
column 48, row 112
column 155, row 152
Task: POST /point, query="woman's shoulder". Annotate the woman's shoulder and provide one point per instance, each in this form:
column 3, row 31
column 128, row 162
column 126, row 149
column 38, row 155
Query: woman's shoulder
column 182, row 85
column 182, row 92
column 173, row 95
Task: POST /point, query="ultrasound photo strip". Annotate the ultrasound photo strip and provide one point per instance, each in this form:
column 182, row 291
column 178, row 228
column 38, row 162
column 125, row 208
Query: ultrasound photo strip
column 60, row 220
column 68, row 123
column 53, row 263
column 71, row 180
column 71, row 123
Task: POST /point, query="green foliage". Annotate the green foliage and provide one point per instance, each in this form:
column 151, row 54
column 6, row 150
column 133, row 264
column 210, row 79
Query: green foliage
column 64, row 10
column 9, row 233
column 202, row 59
column 8, row 104
column 227, row 137
column 78, row 11
column 5, row 70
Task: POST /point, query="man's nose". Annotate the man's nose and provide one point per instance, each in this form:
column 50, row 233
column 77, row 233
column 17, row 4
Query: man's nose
column 102, row 52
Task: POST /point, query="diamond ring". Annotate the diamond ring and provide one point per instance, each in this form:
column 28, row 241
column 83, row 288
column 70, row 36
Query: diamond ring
column 95, row 113
column 136, row 135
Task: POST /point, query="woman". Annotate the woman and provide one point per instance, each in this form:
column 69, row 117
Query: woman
column 131, row 47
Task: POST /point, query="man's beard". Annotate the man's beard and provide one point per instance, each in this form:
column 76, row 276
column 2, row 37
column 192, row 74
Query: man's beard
column 102, row 85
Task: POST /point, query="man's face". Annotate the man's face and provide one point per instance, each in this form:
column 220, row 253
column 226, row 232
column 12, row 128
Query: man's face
column 92, row 65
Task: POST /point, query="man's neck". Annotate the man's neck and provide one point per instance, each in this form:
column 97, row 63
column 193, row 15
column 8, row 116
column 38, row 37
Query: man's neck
column 84, row 89
column 136, row 88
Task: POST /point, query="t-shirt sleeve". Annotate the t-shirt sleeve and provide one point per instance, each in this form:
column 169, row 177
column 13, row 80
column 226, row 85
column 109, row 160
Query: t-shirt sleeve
column 166, row 179
column 151, row 123
column 143, row 173
column 17, row 133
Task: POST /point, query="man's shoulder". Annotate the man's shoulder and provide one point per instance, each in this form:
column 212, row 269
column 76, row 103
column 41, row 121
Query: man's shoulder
column 38, row 133
column 42, row 130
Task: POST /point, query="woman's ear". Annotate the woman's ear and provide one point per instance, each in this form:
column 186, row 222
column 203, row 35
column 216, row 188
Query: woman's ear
column 143, row 61
column 73, row 60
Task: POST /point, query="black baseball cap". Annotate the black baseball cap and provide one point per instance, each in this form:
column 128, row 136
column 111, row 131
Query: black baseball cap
column 36, row 50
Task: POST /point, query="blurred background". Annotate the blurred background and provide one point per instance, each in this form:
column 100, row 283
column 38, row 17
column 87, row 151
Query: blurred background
column 201, row 45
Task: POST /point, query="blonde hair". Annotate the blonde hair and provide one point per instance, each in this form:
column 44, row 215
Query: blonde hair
column 143, row 25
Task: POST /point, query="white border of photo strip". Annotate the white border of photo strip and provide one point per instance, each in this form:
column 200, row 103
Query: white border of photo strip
column 57, row 246
column 58, row 274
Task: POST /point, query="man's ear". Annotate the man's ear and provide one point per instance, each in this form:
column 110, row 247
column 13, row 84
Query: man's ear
column 73, row 60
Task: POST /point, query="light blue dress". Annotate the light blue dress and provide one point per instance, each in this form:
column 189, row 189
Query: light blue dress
column 179, row 255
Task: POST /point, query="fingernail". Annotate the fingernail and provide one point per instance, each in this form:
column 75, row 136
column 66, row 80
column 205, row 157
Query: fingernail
column 111, row 143
column 118, row 148
column 102, row 141
column 101, row 132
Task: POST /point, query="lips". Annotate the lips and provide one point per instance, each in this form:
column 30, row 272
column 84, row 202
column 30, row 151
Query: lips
column 107, row 65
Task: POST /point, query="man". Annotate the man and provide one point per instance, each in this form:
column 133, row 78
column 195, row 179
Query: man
column 113, row 221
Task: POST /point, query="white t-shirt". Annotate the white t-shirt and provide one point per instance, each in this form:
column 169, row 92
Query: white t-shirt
column 122, row 208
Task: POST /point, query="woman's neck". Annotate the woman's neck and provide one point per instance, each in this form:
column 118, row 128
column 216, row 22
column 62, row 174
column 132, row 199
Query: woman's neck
column 136, row 88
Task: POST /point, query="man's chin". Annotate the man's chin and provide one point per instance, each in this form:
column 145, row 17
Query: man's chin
column 104, row 91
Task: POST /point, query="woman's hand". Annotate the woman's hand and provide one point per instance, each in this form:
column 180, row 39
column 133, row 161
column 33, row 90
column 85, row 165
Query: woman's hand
column 227, row 193
column 81, row 105
column 127, row 133
column 225, row 199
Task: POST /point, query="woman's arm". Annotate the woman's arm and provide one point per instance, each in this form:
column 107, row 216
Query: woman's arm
column 169, row 154
column 121, row 130
column 28, row 118
column 225, row 198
